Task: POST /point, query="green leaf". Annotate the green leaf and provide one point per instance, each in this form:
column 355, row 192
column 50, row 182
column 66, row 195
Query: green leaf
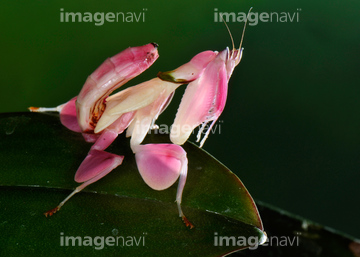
column 39, row 158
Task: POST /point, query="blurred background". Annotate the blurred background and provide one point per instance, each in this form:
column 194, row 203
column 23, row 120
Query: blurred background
column 290, row 129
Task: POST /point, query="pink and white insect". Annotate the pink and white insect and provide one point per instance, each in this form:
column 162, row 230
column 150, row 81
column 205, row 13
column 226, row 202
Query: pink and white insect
column 101, row 117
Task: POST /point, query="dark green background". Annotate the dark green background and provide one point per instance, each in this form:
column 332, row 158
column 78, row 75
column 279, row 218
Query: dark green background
column 290, row 129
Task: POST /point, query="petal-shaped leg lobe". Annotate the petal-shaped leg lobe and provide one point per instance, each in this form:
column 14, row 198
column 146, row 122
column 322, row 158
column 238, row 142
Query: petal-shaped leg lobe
column 96, row 165
column 159, row 164
column 68, row 116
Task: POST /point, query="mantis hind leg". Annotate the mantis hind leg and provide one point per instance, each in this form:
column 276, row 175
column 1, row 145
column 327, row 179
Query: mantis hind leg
column 180, row 189
column 96, row 165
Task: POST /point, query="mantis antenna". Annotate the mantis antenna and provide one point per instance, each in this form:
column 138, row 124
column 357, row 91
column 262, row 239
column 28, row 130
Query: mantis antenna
column 243, row 32
column 227, row 27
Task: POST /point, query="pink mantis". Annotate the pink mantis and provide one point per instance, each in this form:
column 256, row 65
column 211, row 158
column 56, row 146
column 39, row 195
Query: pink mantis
column 101, row 117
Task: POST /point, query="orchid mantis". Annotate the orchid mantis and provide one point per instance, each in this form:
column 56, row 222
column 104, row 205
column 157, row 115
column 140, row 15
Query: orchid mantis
column 101, row 117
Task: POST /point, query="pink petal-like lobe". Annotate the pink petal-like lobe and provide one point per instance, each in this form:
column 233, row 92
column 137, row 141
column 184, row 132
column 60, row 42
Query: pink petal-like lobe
column 160, row 164
column 68, row 116
column 96, row 165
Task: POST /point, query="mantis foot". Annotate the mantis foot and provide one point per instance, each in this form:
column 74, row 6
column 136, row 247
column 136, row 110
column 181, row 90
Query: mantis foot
column 187, row 222
column 52, row 211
